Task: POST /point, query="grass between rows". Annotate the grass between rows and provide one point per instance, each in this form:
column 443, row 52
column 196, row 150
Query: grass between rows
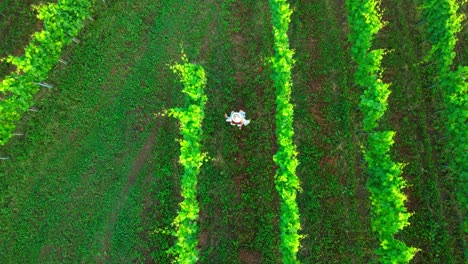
column 239, row 206
column 334, row 203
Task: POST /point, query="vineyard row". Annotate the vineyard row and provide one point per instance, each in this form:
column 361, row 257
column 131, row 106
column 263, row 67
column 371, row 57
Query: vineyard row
column 191, row 158
column 286, row 180
column 443, row 24
column 388, row 211
column 62, row 22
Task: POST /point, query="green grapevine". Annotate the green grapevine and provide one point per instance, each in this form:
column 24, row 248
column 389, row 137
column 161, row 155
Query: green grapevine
column 62, row 21
column 286, row 180
column 443, row 24
column 191, row 158
column 388, row 212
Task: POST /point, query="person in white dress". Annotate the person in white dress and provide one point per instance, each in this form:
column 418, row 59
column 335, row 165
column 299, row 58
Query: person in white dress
column 237, row 119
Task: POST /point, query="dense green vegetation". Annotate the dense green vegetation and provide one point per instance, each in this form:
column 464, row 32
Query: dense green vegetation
column 443, row 25
column 389, row 214
column 62, row 21
column 286, row 180
column 97, row 177
column 18, row 22
column 191, row 158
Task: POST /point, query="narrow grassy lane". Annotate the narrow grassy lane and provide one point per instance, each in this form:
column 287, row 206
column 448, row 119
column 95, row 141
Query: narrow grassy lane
column 239, row 206
column 334, row 203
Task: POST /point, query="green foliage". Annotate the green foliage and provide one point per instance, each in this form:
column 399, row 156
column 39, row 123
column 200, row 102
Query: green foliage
column 191, row 158
column 62, row 21
column 388, row 213
column 374, row 99
column 443, row 24
column 363, row 28
column 286, row 180
column 365, row 21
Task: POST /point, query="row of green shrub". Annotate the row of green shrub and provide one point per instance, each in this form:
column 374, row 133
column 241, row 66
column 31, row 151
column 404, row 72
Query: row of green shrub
column 286, row 180
column 443, row 25
column 191, row 158
column 62, row 22
column 388, row 211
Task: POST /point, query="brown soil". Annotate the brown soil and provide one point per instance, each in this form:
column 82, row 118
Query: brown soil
column 239, row 180
column 203, row 238
column 328, row 163
column 239, row 78
column 250, row 257
column 71, row 138
column 316, row 111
